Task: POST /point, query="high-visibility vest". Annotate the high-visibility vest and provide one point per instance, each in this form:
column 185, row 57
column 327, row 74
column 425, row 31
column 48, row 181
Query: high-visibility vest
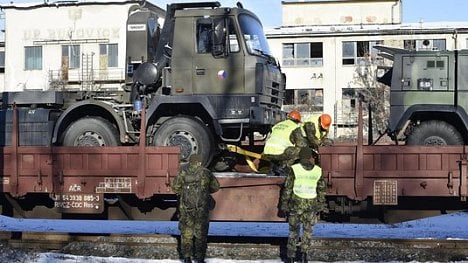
column 319, row 134
column 305, row 181
column 279, row 137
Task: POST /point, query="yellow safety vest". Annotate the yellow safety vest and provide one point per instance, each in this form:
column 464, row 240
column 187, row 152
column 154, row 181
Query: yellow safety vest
column 319, row 134
column 279, row 137
column 305, row 181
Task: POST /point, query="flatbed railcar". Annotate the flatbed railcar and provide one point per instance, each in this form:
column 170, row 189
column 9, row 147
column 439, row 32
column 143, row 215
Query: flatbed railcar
column 97, row 181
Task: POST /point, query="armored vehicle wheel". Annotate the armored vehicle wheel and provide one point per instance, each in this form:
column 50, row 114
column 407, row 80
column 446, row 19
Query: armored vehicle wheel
column 91, row 131
column 190, row 134
column 435, row 133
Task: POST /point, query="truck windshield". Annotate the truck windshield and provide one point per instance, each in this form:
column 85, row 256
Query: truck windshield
column 254, row 37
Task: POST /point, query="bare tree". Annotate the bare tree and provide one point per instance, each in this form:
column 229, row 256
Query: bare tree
column 373, row 93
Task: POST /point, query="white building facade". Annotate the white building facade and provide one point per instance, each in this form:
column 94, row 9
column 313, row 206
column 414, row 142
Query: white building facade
column 74, row 45
column 322, row 44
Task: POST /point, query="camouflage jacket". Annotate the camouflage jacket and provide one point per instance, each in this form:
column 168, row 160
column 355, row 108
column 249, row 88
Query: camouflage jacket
column 193, row 187
column 291, row 203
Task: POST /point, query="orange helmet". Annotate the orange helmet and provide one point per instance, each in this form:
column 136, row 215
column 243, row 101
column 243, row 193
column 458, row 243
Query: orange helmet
column 325, row 121
column 294, row 115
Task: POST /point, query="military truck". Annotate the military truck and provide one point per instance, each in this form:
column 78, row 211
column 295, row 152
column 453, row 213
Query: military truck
column 428, row 97
column 210, row 79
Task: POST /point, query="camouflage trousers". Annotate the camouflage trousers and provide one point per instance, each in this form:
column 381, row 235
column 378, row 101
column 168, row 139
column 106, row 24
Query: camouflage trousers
column 280, row 161
column 193, row 226
column 307, row 220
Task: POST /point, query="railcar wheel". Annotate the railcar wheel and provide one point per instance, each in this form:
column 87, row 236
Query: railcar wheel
column 435, row 133
column 91, row 131
column 190, row 134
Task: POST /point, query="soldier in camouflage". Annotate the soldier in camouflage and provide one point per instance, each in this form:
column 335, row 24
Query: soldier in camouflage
column 316, row 129
column 302, row 199
column 283, row 145
column 193, row 187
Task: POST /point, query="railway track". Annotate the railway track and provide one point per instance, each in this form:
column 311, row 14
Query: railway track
column 242, row 248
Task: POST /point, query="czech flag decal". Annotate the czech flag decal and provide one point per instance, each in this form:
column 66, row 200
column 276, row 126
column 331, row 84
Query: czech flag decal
column 222, row 75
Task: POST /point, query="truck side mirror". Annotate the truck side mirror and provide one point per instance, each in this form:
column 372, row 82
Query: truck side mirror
column 219, row 36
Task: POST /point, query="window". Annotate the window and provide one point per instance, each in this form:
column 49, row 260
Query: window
column 71, row 56
column 439, row 44
column 303, row 54
column 2, row 61
column 312, row 98
column 204, row 41
column 204, row 36
column 111, row 52
column 254, row 37
column 425, row 44
column 233, row 40
column 354, row 51
column 33, row 58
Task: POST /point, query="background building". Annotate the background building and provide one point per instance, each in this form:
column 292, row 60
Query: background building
column 323, row 45
column 74, row 45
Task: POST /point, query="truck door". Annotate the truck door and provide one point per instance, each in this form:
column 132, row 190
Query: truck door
column 213, row 74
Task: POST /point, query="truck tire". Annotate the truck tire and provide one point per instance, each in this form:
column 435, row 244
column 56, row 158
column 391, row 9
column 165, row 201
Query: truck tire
column 91, row 131
column 190, row 134
column 435, row 133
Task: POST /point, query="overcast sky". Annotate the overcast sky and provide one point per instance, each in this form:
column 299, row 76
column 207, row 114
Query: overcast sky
column 269, row 11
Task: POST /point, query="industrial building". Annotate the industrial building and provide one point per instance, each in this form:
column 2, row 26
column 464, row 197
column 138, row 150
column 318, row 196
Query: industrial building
column 321, row 45
column 84, row 46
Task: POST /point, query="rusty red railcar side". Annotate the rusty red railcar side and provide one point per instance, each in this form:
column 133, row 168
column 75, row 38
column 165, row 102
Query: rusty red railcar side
column 78, row 178
column 388, row 172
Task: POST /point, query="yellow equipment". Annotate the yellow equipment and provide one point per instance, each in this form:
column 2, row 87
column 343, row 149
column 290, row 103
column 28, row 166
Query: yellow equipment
column 248, row 155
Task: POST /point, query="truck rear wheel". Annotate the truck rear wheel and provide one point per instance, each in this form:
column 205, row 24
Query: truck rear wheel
column 190, row 134
column 435, row 133
column 91, row 131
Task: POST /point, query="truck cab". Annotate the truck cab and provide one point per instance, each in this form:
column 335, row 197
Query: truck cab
column 213, row 79
column 428, row 96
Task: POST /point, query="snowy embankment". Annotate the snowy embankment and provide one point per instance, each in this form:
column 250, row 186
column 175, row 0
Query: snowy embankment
column 450, row 226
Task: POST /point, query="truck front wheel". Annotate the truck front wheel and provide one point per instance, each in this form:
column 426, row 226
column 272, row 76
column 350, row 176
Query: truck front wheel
column 435, row 133
column 190, row 134
column 91, row 131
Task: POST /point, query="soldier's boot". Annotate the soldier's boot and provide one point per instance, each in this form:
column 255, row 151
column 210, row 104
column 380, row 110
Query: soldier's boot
column 304, row 258
column 290, row 260
column 187, row 260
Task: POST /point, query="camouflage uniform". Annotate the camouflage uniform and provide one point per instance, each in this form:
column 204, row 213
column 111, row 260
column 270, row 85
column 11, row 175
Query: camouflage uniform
column 193, row 187
column 314, row 138
column 300, row 211
column 290, row 154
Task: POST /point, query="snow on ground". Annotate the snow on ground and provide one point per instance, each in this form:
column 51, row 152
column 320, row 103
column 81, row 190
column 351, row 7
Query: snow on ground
column 60, row 258
column 450, row 226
